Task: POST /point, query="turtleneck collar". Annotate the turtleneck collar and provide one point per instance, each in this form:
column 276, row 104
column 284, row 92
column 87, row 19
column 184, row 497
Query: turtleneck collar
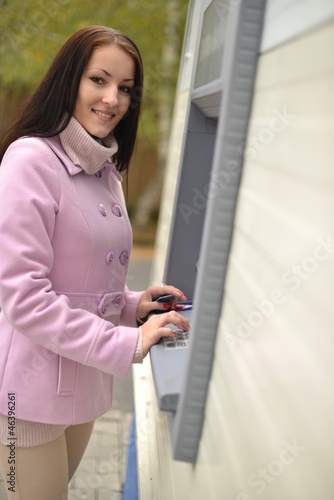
column 83, row 150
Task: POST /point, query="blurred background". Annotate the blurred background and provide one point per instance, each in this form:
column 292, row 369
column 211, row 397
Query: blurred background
column 32, row 32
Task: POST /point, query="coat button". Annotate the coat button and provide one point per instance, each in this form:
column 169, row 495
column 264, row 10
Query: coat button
column 101, row 209
column 124, row 257
column 116, row 210
column 109, row 257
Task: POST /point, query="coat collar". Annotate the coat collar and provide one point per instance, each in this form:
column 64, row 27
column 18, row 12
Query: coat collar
column 55, row 144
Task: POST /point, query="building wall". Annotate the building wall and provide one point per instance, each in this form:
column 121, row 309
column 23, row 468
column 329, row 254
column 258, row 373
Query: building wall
column 270, row 409
column 268, row 430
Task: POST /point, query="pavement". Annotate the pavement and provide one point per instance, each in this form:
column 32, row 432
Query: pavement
column 102, row 471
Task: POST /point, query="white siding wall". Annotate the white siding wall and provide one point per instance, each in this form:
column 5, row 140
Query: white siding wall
column 270, row 409
column 269, row 425
column 287, row 19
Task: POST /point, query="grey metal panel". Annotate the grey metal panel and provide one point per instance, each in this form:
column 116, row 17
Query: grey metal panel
column 189, row 208
column 241, row 52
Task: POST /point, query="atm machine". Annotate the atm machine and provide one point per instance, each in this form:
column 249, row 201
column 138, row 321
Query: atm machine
column 210, row 123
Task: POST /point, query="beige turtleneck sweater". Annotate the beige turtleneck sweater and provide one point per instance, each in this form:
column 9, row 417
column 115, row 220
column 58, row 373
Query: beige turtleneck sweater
column 84, row 150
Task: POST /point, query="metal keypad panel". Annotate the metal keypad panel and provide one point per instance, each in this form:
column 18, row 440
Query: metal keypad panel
column 180, row 341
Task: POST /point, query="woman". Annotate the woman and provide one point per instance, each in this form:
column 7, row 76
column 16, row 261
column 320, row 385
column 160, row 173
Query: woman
column 68, row 322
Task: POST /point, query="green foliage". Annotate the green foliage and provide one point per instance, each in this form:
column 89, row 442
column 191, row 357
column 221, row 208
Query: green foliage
column 32, row 31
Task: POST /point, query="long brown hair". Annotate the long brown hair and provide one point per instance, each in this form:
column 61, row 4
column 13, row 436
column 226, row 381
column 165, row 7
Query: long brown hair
column 49, row 109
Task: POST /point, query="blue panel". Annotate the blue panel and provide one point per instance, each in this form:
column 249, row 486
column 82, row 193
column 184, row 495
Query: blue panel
column 130, row 490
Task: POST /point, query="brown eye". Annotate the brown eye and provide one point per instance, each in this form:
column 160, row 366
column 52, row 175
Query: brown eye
column 125, row 89
column 97, row 79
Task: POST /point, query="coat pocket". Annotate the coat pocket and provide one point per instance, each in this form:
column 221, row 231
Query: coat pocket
column 110, row 306
column 66, row 376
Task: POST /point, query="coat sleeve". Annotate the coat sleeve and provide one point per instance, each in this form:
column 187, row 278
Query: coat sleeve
column 29, row 198
column 129, row 311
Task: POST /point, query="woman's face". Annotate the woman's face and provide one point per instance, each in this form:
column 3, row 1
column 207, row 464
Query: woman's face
column 104, row 94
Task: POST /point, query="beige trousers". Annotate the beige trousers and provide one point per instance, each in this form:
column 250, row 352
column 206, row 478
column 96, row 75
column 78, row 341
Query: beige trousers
column 43, row 472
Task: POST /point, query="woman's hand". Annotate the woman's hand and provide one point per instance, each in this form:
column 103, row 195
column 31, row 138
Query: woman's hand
column 148, row 302
column 155, row 328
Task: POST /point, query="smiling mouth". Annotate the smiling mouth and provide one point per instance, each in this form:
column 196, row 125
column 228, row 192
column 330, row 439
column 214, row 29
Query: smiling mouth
column 103, row 114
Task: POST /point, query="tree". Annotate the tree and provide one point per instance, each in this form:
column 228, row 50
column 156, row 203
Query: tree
column 32, row 32
column 169, row 58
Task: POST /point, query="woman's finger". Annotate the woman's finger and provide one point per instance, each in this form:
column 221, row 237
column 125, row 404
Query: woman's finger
column 157, row 291
column 167, row 332
column 174, row 318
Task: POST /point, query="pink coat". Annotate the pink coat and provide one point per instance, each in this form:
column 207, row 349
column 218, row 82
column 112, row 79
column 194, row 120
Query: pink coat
column 65, row 240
